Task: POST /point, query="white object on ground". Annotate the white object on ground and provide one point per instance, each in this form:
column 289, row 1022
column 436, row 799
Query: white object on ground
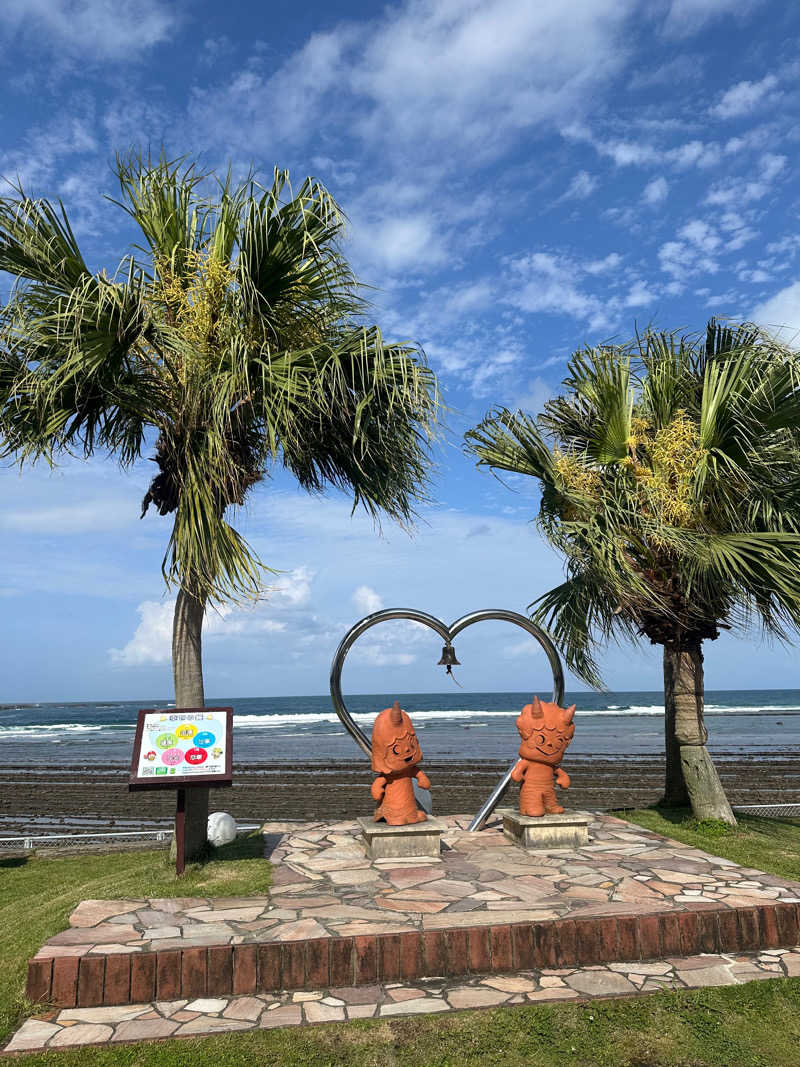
column 221, row 828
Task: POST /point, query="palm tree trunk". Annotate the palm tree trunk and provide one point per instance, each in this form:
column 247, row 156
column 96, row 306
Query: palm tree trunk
column 676, row 794
column 187, row 669
column 683, row 704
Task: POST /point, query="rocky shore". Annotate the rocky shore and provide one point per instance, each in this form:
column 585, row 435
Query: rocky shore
column 88, row 797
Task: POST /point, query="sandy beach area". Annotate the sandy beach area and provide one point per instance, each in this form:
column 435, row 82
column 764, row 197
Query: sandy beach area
column 44, row 800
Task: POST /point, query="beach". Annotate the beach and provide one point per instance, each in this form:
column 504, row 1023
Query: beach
column 79, row 798
column 66, row 765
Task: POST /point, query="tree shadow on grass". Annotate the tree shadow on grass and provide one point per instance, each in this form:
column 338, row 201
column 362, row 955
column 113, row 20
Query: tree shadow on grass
column 9, row 862
column 246, row 847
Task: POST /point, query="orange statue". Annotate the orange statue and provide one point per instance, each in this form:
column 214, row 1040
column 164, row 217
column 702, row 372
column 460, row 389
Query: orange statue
column 395, row 755
column 546, row 730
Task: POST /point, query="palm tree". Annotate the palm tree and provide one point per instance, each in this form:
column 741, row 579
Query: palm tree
column 670, row 481
column 232, row 340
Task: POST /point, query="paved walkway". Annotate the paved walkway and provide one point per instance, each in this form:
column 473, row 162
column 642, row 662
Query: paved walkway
column 324, row 886
column 209, row 1015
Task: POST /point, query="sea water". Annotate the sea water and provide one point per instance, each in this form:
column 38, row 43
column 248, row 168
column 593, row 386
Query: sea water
column 454, row 725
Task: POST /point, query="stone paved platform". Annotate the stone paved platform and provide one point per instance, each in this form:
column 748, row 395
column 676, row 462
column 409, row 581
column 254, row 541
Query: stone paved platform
column 72, row 1027
column 335, row 918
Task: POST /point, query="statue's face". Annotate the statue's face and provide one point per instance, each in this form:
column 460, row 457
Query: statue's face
column 546, row 730
column 546, row 744
column 403, row 751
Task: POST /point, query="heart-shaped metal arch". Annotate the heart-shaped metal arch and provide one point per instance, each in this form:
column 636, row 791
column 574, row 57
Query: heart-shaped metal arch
column 448, row 634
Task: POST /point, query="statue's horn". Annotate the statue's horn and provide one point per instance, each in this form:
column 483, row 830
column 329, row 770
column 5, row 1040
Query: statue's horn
column 536, row 708
column 569, row 714
column 396, row 714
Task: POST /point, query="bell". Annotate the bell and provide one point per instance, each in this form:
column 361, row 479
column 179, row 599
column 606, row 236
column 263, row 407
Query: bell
column 448, row 658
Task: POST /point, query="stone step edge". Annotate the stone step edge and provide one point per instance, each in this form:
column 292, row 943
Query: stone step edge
column 91, row 1026
column 261, row 967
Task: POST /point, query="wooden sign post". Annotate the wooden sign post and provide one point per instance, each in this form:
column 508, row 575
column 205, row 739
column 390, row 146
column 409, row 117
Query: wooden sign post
column 182, row 748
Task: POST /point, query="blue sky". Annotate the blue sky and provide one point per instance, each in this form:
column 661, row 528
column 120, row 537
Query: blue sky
column 520, row 178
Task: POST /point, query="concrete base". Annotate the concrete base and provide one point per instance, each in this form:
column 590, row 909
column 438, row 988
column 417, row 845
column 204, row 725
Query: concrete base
column 570, row 830
column 398, row 842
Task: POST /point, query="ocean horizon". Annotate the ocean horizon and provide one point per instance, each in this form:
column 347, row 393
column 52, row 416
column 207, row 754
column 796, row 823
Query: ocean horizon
column 452, row 725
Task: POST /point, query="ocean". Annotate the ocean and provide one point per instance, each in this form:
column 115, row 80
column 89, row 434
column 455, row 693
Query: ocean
column 454, row 725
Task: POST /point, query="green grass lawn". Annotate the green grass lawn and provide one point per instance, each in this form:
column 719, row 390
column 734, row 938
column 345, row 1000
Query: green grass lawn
column 756, row 1025
column 37, row 895
column 769, row 844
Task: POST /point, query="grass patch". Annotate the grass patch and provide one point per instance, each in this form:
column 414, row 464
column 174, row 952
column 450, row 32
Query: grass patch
column 771, row 845
column 37, row 895
column 757, row 1025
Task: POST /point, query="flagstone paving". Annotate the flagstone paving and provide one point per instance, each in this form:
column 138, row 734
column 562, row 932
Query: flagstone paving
column 324, row 886
column 207, row 1015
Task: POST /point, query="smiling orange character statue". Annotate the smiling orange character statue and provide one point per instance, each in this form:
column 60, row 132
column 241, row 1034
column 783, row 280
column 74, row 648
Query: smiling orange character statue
column 546, row 731
column 395, row 755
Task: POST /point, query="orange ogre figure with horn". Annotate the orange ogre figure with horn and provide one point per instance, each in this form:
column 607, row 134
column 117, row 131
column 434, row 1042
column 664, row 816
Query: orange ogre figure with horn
column 546, row 730
column 395, row 755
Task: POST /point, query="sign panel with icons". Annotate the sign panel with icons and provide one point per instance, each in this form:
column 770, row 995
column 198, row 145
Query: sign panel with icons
column 180, row 747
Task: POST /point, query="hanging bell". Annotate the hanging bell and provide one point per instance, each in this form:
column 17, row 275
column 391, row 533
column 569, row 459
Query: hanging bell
column 448, row 658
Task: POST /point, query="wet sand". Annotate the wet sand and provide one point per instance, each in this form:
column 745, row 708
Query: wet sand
column 85, row 797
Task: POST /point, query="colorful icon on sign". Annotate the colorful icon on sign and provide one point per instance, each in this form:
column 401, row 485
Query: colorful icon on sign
column 186, row 731
column 216, row 752
column 161, row 770
column 196, row 756
column 166, row 740
column 205, row 739
column 151, row 755
column 172, row 757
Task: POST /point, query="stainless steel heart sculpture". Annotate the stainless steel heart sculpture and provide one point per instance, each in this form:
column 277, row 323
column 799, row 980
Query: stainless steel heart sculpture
column 448, row 633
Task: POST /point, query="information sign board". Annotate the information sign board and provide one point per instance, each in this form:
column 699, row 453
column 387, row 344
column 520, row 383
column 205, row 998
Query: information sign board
column 182, row 747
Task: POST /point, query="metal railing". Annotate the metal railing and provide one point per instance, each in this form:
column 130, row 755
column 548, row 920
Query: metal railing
column 26, row 841
column 767, row 810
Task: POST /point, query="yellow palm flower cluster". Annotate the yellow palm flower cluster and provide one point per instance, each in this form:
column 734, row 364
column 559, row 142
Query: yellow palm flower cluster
column 197, row 308
column 578, row 478
column 674, row 454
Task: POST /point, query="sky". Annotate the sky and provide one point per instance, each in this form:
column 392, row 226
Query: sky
column 520, row 179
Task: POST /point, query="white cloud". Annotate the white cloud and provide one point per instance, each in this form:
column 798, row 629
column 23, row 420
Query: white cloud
column 602, row 266
column 656, row 191
column 687, row 16
column 89, row 29
column 474, row 72
column 639, row 295
column 680, row 259
column 640, row 153
column 42, row 156
column 781, row 313
column 737, row 230
column 366, row 600
column 535, row 395
column 545, row 282
column 152, row 639
column 581, row 186
column 85, row 516
column 430, row 72
column 276, row 613
column 487, row 377
column 395, row 243
column 732, row 192
column 701, row 235
column 744, row 97
column 694, row 252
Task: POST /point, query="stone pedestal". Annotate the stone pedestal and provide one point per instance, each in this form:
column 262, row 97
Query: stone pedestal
column 399, row 842
column 570, row 830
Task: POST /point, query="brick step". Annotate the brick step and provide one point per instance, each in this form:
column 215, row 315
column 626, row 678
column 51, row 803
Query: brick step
column 95, row 979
